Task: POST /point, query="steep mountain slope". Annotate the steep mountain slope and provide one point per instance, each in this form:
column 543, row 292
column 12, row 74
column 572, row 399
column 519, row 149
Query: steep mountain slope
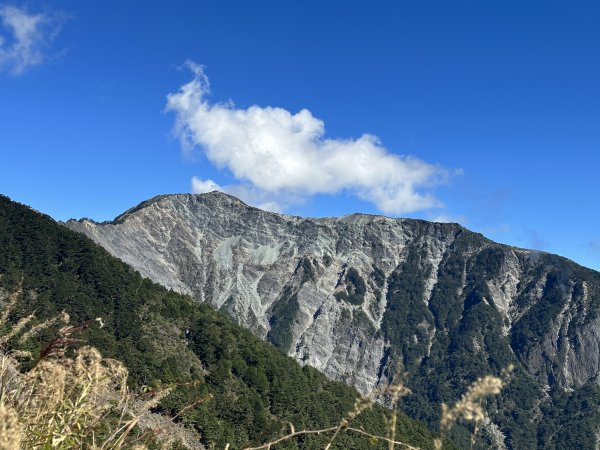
column 364, row 297
column 165, row 337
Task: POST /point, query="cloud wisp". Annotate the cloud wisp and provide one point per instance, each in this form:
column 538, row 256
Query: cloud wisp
column 445, row 218
column 25, row 38
column 280, row 158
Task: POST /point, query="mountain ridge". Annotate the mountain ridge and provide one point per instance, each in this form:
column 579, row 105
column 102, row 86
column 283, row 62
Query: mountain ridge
column 234, row 200
column 220, row 194
column 363, row 297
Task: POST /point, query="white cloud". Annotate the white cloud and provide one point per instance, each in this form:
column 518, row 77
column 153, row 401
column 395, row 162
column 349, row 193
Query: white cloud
column 24, row 38
column 202, row 186
column 278, row 155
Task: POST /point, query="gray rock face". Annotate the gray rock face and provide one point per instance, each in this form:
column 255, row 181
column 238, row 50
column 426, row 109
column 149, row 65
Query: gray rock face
column 241, row 259
column 362, row 297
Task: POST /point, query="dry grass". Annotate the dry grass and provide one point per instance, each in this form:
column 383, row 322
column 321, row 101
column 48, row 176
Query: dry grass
column 76, row 402
column 470, row 406
column 61, row 403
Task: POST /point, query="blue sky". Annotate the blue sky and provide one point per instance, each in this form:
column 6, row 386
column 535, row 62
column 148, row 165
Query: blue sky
column 486, row 113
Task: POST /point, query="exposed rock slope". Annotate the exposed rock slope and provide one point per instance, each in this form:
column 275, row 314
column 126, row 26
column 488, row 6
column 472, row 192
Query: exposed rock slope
column 363, row 297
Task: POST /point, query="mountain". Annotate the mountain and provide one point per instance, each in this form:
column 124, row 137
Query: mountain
column 167, row 339
column 363, row 298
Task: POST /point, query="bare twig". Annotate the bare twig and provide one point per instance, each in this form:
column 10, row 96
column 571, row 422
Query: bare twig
column 192, row 405
column 294, row 434
column 361, row 404
column 469, row 408
column 383, row 438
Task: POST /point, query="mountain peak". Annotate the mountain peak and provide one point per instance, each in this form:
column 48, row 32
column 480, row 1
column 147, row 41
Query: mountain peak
column 216, row 197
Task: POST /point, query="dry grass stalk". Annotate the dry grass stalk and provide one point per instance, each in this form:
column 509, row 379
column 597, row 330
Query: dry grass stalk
column 396, row 392
column 469, row 408
column 360, row 404
column 65, row 403
column 294, row 434
column 12, row 301
column 37, row 328
column 11, row 432
column 21, row 324
column 60, row 402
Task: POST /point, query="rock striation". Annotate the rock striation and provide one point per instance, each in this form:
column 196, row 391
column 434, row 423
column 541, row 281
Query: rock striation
column 363, row 298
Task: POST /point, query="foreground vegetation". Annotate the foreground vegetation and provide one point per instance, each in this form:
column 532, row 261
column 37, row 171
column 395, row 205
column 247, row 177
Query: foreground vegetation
column 83, row 401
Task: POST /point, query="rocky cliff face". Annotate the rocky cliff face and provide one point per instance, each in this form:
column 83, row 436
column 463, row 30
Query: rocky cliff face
column 363, row 298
